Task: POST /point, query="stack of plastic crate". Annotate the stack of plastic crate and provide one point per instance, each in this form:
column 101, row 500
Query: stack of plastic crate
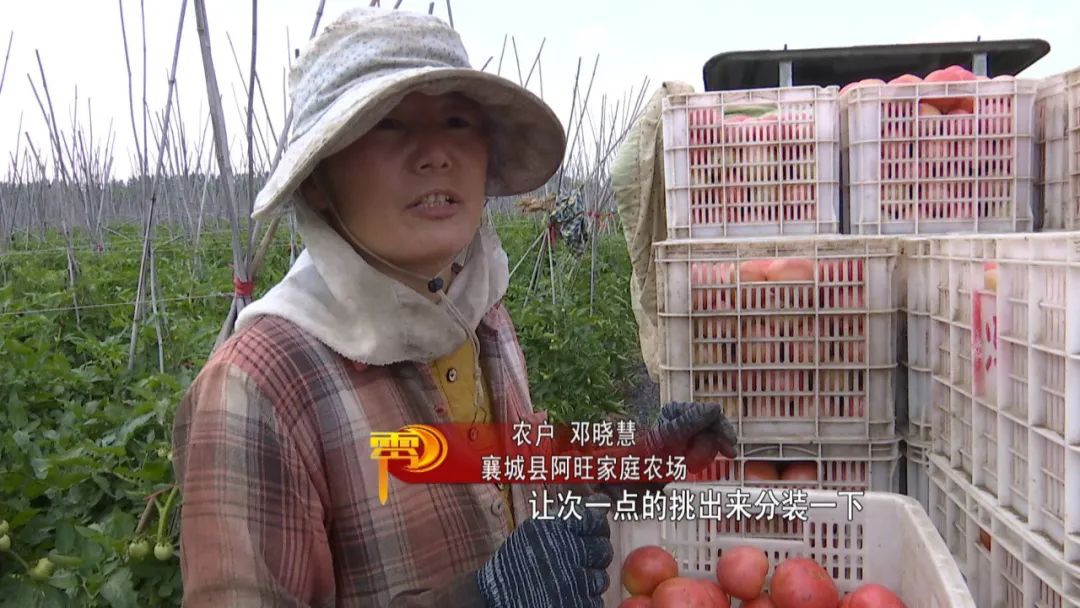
column 937, row 157
column 1004, row 413
column 765, row 309
column 1058, row 113
column 914, row 399
column 933, row 161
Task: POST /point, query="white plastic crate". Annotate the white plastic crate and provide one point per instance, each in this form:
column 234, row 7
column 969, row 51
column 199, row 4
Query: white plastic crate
column 915, row 264
column 920, row 402
column 1052, row 128
column 836, row 466
column 1005, row 565
column 911, row 172
column 917, row 463
column 752, row 163
column 919, row 377
column 891, row 541
column 1058, row 112
column 1005, row 400
column 916, row 305
column 810, row 358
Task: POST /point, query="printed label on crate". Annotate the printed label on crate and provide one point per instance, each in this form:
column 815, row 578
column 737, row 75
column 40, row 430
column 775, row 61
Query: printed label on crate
column 984, row 347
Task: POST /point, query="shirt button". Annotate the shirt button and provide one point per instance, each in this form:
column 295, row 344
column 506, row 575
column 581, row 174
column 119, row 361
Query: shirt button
column 451, row 375
column 498, row 507
column 474, row 433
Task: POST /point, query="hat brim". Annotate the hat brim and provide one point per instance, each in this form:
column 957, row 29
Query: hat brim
column 527, row 139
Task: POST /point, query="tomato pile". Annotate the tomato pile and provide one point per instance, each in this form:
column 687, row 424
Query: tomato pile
column 788, row 344
column 651, row 575
column 751, row 155
column 958, row 148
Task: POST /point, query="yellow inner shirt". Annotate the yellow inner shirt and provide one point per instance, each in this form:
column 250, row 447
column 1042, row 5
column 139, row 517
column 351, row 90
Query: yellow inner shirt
column 454, row 373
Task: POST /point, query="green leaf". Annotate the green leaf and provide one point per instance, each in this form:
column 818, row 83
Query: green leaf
column 94, row 535
column 65, row 580
column 22, row 439
column 24, row 516
column 119, row 590
column 54, row 598
column 18, row 594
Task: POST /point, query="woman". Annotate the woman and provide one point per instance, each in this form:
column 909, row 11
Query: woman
column 390, row 317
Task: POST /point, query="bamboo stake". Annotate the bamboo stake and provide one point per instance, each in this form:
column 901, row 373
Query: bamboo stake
column 131, row 99
column 525, row 255
column 562, row 171
column 536, row 62
column 258, row 255
column 536, row 267
column 156, row 313
column 594, row 222
column 502, row 54
column 147, row 254
column 50, row 119
column 517, row 59
column 145, row 107
column 73, row 272
column 7, row 56
column 250, row 115
column 221, row 146
column 540, row 75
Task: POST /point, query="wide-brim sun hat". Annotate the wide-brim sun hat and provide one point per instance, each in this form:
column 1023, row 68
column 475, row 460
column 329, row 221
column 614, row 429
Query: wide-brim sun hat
column 365, row 62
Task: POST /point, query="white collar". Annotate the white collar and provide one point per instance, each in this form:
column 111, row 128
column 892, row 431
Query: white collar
column 367, row 316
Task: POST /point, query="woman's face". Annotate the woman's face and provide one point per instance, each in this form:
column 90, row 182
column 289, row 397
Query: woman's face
column 412, row 189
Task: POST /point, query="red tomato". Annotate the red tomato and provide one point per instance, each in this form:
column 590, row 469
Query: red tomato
column 707, row 282
column 761, row 601
column 906, row 79
column 760, row 470
column 637, row 601
column 717, row 597
column 741, row 571
column 646, row 567
column 800, row 471
column 872, row 595
column 758, row 343
column 681, row 592
column 790, row 269
column 953, row 73
column 800, row 582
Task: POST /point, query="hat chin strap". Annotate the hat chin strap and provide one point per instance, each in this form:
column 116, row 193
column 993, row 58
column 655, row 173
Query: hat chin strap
column 435, row 285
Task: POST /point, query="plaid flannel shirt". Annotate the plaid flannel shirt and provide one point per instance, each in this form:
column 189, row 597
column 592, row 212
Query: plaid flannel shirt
column 280, row 493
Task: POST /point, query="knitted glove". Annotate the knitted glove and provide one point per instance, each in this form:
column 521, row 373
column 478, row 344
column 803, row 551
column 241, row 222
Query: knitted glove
column 696, row 431
column 550, row 563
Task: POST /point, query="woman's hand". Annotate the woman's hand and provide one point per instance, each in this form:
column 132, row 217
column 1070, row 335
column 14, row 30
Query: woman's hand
column 698, row 431
column 550, row 562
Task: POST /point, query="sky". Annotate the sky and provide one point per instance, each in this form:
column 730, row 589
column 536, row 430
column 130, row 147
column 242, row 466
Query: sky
column 82, row 50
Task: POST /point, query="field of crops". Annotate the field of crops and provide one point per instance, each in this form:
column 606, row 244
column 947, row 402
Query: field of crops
column 85, row 476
